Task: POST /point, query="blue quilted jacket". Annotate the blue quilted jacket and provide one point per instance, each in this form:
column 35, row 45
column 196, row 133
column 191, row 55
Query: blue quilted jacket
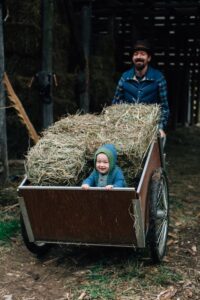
column 151, row 89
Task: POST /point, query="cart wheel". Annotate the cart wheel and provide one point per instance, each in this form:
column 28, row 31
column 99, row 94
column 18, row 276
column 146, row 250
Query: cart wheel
column 158, row 215
column 36, row 248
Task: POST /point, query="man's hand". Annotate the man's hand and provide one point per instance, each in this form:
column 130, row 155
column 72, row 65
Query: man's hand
column 162, row 133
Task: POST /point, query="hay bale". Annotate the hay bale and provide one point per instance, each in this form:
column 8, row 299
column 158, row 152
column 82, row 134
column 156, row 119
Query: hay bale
column 64, row 155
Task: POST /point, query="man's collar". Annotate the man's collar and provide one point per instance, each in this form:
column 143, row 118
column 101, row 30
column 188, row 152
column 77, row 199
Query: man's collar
column 147, row 75
column 137, row 78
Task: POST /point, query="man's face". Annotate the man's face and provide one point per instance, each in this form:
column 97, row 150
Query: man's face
column 140, row 59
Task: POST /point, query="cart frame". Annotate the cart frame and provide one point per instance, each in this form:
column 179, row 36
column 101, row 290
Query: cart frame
column 121, row 217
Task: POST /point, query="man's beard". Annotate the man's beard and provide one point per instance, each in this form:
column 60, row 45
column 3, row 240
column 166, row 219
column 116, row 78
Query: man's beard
column 141, row 66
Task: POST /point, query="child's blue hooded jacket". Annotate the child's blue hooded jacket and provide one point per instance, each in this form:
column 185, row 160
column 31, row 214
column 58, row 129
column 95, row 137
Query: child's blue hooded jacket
column 115, row 175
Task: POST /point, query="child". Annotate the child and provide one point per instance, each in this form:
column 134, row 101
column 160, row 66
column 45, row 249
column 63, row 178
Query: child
column 106, row 173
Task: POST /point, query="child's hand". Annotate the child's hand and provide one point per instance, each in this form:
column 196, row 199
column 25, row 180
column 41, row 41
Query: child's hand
column 85, row 186
column 109, row 187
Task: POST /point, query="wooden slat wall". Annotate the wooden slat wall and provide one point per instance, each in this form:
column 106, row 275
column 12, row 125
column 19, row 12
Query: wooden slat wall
column 174, row 28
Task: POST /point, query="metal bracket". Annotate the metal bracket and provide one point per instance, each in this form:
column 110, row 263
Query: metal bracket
column 26, row 220
column 139, row 224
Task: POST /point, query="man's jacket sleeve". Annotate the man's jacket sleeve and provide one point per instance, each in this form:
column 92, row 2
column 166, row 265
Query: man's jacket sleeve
column 163, row 103
column 119, row 94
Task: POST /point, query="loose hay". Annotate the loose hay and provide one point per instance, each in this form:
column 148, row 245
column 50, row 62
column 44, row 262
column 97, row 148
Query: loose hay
column 64, row 155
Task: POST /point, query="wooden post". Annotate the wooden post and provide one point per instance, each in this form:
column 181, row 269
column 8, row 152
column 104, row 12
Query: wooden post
column 85, row 74
column 17, row 105
column 198, row 109
column 46, row 73
column 82, row 47
column 68, row 10
column 3, row 135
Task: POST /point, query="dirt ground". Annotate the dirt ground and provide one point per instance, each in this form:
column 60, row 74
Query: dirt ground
column 92, row 273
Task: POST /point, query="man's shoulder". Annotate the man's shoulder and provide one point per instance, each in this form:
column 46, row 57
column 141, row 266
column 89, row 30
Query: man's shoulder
column 155, row 73
column 128, row 74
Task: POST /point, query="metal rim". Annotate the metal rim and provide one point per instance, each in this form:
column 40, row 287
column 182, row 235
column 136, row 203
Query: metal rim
column 162, row 218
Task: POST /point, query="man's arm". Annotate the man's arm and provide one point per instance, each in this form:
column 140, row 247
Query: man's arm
column 119, row 94
column 164, row 105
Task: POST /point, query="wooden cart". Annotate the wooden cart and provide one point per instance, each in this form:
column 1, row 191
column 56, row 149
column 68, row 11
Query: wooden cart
column 123, row 217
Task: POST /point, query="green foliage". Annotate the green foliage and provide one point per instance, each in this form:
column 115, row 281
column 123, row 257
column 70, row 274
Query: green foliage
column 104, row 278
column 165, row 275
column 132, row 271
column 99, row 291
column 8, row 229
column 98, row 284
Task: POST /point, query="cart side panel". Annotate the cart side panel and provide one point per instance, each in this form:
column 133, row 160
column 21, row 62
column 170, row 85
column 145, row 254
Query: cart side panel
column 78, row 216
column 153, row 162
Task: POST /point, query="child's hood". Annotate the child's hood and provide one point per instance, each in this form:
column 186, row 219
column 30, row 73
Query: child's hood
column 110, row 151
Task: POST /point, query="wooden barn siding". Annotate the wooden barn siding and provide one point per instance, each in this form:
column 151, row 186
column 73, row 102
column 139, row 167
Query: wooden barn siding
column 176, row 42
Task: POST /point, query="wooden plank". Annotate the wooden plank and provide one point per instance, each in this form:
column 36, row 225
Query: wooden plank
column 78, row 216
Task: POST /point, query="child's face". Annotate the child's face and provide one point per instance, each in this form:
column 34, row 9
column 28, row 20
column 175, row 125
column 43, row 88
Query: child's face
column 102, row 163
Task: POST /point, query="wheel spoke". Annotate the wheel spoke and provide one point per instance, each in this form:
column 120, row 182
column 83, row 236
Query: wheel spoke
column 161, row 232
column 162, row 197
column 159, row 217
column 159, row 197
column 165, row 198
column 162, row 216
column 159, row 227
column 161, row 213
column 162, row 237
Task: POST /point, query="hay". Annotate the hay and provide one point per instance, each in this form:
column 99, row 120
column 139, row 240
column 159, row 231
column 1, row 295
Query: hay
column 64, row 155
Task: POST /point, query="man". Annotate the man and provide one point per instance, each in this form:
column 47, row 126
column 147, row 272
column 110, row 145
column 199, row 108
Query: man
column 144, row 84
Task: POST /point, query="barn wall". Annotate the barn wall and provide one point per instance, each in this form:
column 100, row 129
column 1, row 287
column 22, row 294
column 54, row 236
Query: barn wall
column 172, row 26
column 173, row 29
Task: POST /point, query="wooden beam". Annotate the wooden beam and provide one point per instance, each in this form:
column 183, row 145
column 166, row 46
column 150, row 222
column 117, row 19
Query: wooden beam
column 20, row 110
column 67, row 9
column 47, row 49
column 86, row 36
column 4, row 171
